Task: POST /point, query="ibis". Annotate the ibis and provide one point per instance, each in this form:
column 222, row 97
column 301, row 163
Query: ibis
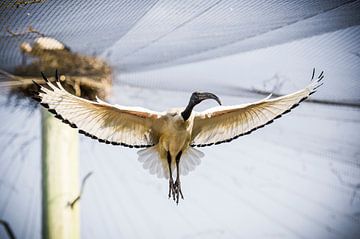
column 168, row 139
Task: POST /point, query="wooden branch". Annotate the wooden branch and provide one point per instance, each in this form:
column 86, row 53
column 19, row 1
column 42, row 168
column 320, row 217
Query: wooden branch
column 25, row 81
column 72, row 203
column 29, row 30
column 20, row 3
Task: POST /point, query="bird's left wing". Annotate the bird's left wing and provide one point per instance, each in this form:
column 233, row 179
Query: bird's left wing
column 223, row 124
column 111, row 124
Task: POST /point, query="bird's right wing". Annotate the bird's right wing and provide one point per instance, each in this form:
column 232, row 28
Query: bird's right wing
column 118, row 125
column 223, row 124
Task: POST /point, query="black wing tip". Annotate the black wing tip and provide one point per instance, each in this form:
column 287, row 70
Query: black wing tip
column 36, row 98
column 72, row 125
column 45, row 105
column 57, row 77
column 105, row 141
column 320, row 76
column 58, row 116
column 44, row 77
column 313, row 74
column 52, row 111
column 37, row 85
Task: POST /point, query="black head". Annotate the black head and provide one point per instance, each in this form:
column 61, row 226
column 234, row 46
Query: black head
column 195, row 99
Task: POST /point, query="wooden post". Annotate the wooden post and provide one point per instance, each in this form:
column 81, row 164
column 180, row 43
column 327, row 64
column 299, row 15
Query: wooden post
column 60, row 179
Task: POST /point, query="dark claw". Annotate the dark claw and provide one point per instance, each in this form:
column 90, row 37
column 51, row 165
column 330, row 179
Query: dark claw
column 171, row 189
column 178, row 191
column 173, row 192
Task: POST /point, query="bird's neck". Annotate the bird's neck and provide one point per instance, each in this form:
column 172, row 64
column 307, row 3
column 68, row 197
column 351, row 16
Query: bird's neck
column 187, row 112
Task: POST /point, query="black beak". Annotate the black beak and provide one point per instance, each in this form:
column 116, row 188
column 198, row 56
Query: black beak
column 207, row 95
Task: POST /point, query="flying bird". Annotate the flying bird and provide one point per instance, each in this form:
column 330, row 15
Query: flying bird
column 168, row 138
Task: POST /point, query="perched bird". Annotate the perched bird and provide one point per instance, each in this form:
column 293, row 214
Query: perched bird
column 42, row 44
column 170, row 137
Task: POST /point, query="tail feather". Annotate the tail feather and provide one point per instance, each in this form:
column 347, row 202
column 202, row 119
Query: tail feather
column 189, row 160
column 151, row 161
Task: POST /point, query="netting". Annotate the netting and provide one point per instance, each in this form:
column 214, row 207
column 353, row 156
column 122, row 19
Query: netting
column 138, row 35
column 298, row 178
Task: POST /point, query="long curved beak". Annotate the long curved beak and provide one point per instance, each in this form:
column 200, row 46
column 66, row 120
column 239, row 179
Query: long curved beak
column 206, row 95
column 195, row 99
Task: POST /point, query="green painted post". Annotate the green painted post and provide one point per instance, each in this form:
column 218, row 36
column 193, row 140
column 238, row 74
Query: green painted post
column 60, row 179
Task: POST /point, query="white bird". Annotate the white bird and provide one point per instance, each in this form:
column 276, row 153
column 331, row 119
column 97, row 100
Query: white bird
column 170, row 137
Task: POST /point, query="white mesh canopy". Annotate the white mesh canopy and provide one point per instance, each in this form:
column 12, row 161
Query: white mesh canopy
column 296, row 178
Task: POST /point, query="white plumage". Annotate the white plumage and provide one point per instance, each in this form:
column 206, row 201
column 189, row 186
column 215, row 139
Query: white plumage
column 167, row 136
column 150, row 159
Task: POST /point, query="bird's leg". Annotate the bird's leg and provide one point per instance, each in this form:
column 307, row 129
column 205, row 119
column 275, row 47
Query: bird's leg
column 177, row 182
column 171, row 182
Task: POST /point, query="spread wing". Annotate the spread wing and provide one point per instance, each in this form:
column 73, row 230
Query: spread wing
column 223, row 124
column 118, row 125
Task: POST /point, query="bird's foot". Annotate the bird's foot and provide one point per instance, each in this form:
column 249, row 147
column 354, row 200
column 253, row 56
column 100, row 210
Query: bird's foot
column 171, row 189
column 178, row 192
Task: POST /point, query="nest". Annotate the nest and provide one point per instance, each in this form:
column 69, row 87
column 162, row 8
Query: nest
column 81, row 75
